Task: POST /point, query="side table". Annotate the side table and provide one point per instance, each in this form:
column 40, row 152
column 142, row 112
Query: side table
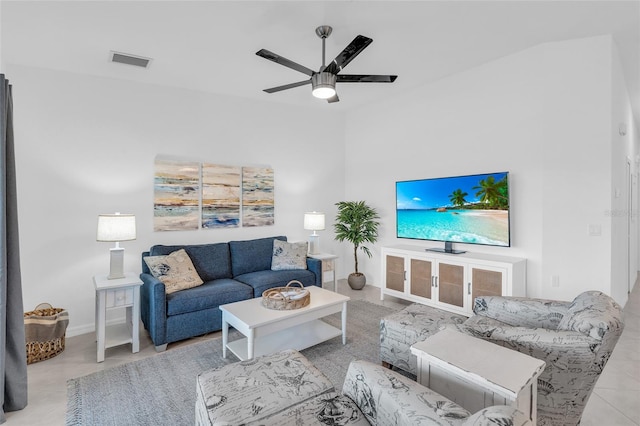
column 328, row 265
column 114, row 294
column 476, row 373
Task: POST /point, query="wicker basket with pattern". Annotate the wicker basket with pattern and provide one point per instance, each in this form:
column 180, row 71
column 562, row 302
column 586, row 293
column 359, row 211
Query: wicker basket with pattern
column 286, row 298
column 45, row 329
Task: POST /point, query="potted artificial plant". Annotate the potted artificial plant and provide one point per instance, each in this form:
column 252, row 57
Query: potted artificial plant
column 356, row 222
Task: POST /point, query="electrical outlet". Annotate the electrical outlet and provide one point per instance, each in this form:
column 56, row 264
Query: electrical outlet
column 555, row 281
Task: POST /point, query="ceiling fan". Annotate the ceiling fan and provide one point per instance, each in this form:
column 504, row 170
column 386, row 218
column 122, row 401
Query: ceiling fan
column 323, row 82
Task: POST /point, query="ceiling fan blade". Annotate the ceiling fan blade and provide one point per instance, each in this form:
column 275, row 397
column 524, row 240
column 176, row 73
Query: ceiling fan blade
column 348, row 54
column 333, row 99
column 284, row 61
column 287, row 86
column 359, row 78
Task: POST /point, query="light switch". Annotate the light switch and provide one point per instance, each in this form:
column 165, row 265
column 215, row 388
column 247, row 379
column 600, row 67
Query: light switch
column 595, row 230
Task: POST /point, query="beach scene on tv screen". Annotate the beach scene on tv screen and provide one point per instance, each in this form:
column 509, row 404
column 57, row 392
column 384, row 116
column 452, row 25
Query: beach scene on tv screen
column 466, row 209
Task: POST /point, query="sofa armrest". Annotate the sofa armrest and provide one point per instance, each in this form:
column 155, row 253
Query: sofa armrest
column 521, row 311
column 388, row 398
column 153, row 308
column 315, row 266
column 498, row 415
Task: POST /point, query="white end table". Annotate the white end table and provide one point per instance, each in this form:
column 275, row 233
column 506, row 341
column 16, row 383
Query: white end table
column 114, row 294
column 476, row 373
column 328, row 265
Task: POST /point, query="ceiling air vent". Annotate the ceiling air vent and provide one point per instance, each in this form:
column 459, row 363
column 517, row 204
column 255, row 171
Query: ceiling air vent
column 126, row 58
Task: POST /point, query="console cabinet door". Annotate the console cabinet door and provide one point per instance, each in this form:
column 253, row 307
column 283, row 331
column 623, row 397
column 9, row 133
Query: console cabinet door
column 394, row 276
column 450, row 285
column 487, row 281
column 420, row 279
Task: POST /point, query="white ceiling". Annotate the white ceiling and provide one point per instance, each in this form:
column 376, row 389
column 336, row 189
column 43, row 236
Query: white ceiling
column 210, row 45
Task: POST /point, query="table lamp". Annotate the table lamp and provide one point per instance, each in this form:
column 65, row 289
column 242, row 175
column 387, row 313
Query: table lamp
column 115, row 228
column 314, row 221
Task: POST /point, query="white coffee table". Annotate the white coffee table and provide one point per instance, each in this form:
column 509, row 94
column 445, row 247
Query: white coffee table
column 476, row 373
column 268, row 330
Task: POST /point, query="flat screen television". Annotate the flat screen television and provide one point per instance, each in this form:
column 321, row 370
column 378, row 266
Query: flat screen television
column 471, row 209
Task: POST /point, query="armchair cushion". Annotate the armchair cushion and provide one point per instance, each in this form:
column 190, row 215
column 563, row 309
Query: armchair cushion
column 592, row 313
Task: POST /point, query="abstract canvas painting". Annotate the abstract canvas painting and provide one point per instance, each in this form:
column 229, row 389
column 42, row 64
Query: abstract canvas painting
column 220, row 196
column 257, row 196
column 176, row 203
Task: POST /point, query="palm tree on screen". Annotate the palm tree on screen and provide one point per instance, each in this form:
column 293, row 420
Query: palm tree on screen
column 492, row 193
column 457, row 198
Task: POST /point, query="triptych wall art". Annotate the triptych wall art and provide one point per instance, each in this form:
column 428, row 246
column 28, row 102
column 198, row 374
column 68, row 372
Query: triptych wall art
column 189, row 195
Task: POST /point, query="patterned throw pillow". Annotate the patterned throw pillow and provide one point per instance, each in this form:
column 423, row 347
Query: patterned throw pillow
column 288, row 256
column 175, row 270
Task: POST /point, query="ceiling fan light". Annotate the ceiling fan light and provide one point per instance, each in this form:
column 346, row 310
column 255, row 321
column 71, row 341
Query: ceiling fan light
column 323, row 85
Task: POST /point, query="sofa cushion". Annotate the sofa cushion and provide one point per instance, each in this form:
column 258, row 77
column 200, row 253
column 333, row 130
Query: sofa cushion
column 264, row 280
column 288, row 256
column 175, row 270
column 212, row 261
column 252, row 255
column 209, row 295
column 592, row 313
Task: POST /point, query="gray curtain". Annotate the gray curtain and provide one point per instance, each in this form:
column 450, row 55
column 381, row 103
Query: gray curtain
column 13, row 357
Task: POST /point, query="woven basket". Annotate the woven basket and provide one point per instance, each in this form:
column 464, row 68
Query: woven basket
column 45, row 329
column 286, row 298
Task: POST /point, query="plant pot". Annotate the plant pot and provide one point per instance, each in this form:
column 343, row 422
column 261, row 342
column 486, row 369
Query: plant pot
column 357, row 281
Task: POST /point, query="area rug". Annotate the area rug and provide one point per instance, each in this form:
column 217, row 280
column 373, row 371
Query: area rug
column 160, row 390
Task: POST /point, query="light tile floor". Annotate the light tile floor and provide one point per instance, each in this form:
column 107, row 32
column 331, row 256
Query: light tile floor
column 615, row 401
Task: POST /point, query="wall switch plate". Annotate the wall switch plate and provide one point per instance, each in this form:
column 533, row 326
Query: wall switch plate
column 555, row 281
column 595, row 230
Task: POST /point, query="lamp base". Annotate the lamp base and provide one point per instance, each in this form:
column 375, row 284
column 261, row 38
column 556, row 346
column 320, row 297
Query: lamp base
column 314, row 244
column 116, row 264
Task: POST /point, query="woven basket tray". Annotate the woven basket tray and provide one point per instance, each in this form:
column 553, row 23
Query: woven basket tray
column 50, row 325
column 286, row 298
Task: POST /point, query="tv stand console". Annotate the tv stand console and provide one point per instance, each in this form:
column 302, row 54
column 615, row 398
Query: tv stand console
column 449, row 282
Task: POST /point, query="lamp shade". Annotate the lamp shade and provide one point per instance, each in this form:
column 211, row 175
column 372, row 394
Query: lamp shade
column 314, row 221
column 323, row 85
column 116, row 227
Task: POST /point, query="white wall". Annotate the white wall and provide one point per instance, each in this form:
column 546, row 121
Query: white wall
column 624, row 211
column 86, row 146
column 544, row 115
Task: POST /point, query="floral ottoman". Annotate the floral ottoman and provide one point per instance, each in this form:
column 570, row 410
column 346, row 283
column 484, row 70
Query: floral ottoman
column 279, row 389
column 413, row 324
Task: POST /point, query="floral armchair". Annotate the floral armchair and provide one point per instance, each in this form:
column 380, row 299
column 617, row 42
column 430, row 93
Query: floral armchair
column 575, row 339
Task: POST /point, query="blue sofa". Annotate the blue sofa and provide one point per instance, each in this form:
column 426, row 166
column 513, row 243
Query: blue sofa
column 233, row 271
